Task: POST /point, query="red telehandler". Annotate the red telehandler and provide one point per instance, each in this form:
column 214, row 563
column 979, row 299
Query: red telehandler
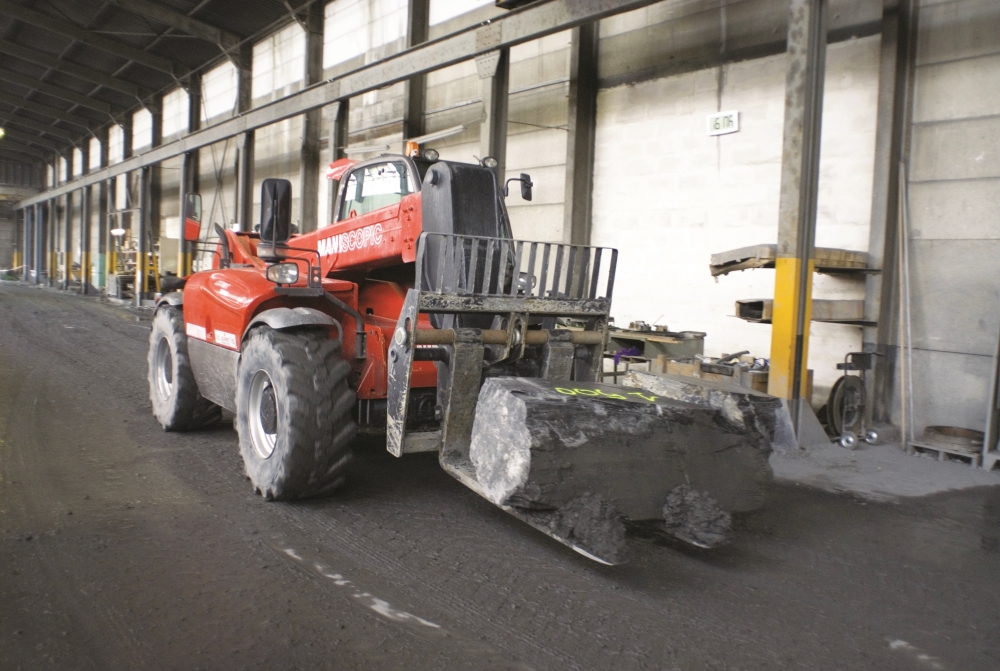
column 417, row 315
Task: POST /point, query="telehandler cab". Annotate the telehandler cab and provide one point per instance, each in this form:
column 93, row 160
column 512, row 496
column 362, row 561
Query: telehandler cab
column 416, row 314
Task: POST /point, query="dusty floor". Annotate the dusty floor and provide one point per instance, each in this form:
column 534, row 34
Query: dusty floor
column 124, row 547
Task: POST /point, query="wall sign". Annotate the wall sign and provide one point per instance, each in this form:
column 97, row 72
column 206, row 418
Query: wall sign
column 721, row 123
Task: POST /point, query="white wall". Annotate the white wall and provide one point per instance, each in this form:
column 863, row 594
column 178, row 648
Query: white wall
column 668, row 196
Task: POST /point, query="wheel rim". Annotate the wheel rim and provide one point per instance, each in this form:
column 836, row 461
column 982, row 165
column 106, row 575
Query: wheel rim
column 163, row 369
column 262, row 415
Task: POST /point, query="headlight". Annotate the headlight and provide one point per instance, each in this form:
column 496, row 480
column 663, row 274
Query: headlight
column 283, row 273
column 431, row 154
column 524, row 283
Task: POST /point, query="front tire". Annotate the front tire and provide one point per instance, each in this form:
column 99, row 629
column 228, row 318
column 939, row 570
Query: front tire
column 177, row 404
column 294, row 413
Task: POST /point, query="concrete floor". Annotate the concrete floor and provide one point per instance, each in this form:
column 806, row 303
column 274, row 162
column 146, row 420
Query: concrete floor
column 122, row 546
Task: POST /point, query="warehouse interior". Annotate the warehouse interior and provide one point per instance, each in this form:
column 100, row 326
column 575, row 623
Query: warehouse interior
column 804, row 196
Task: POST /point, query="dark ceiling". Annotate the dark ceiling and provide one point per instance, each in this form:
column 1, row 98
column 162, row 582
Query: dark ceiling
column 70, row 67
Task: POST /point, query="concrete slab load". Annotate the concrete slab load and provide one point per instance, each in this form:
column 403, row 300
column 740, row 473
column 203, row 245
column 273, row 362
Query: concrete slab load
column 590, row 455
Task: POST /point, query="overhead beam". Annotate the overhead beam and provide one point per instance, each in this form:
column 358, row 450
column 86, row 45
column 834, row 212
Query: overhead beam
column 7, row 145
column 182, row 22
column 55, row 91
column 28, row 138
column 92, row 39
column 38, row 108
column 11, row 118
column 62, row 65
column 522, row 25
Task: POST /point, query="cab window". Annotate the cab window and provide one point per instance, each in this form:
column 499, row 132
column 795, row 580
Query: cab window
column 373, row 187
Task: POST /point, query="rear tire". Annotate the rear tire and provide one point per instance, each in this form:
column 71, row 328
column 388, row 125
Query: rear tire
column 177, row 404
column 294, row 413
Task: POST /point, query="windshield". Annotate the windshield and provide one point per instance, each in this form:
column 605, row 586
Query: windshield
column 373, row 187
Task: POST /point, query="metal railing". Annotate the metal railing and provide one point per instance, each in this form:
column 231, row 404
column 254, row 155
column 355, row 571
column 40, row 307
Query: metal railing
column 468, row 265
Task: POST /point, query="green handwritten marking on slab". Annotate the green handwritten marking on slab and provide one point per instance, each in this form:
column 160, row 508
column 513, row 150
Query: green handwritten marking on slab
column 577, row 391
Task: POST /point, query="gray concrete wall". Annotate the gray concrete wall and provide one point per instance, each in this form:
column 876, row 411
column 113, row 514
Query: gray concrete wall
column 669, row 196
column 954, row 227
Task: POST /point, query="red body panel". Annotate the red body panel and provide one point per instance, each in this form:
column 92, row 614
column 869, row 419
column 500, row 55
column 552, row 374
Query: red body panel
column 379, row 239
column 220, row 303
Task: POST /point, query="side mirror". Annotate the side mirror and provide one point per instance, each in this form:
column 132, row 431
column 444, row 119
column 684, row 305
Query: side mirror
column 275, row 216
column 192, row 217
column 526, row 185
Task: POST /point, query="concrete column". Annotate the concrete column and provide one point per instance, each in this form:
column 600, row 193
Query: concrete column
column 582, row 128
column 102, row 213
column 339, row 113
column 142, row 243
column 151, row 213
column 797, row 203
column 494, row 71
column 51, row 239
column 311, row 122
column 891, row 139
column 85, row 199
column 417, row 28
column 190, row 168
column 245, row 143
column 27, row 215
column 67, row 233
column 39, row 231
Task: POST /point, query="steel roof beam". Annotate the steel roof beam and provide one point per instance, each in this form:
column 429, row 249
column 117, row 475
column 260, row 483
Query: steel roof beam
column 92, row 39
column 56, row 91
column 178, row 21
column 45, row 110
column 521, row 25
column 85, row 73
column 23, row 149
column 11, row 118
column 28, row 138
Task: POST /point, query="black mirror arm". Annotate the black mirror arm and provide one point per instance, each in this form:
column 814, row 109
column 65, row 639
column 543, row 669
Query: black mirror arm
column 525, row 181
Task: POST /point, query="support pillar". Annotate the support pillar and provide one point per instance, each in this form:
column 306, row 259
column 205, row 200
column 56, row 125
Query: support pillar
column 494, row 71
column 311, row 122
column 797, row 205
column 126, row 220
column 142, row 241
column 244, row 143
column 67, row 236
column 102, row 214
column 339, row 136
column 190, row 168
column 151, row 213
column 27, row 214
column 39, row 242
column 417, row 28
column 582, row 129
column 891, row 142
column 51, row 235
column 85, row 197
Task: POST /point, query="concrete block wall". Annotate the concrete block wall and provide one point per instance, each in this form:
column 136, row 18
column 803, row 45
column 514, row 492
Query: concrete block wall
column 954, row 227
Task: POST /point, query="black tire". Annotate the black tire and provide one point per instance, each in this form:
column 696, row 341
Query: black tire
column 845, row 409
column 177, row 405
column 294, row 413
